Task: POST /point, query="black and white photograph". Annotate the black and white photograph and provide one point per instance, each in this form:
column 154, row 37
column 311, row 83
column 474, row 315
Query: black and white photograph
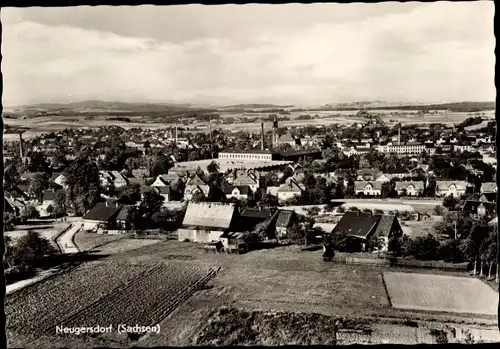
column 250, row 175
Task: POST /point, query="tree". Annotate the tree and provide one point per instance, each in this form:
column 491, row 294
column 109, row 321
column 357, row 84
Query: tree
column 450, row 202
column 375, row 243
column 450, row 251
column 30, row 212
column 50, row 210
column 197, row 196
column 213, row 167
column 39, row 183
column 83, row 184
column 438, row 210
column 60, row 203
column 12, row 175
column 426, row 247
column 378, row 211
column 30, row 249
column 9, row 220
column 151, row 202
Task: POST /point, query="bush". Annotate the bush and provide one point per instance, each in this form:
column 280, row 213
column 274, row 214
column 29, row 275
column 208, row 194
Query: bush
column 340, row 209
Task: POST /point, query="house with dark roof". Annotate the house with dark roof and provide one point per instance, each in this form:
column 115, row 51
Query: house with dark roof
column 362, row 227
column 488, row 197
column 207, row 221
column 101, row 215
column 479, row 208
column 284, row 222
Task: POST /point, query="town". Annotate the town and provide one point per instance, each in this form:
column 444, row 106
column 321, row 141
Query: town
column 251, row 175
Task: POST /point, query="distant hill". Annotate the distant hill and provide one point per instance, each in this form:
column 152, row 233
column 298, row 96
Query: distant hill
column 255, row 106
column 370, row 105
column 104, row 106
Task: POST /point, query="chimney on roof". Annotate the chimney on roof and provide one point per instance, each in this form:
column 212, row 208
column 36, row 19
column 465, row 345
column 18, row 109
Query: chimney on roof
column 359, row 212
column 107, row 203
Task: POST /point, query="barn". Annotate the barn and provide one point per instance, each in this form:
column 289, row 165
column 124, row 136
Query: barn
column 206, row 221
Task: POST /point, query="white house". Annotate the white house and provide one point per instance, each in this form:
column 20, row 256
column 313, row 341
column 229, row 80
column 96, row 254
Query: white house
column 373, row 188
column 238, row 192
column 409, row 188
column 291, row 188
column 488, row 187
column 453, row 188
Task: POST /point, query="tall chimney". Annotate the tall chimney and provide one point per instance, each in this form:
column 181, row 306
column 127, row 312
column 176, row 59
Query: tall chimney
column 262, row 136
column 399, row 135
column 176, row 134
column 210, row 126
column 273, row 139
column 21, row 148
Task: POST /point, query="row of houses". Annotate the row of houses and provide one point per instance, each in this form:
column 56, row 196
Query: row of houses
column 416, row 188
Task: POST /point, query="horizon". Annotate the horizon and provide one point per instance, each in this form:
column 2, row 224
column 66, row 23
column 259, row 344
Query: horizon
column 294, row 54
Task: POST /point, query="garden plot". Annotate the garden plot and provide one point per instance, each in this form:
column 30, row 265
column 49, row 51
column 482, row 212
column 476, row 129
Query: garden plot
column 440, row 293
column 146, row 300
column 58, row 297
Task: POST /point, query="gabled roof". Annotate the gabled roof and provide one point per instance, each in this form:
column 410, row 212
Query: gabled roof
column 286, row 138
column 472, row 206
column 284, row 218
column 49, row 195
column 256, row 213
column 357, row 225
column 384, row 225
column 290, row 185
column 361, row 185
column 103, row 213
column 196, row 180
column 487, row 187
column 123, row 214
column 244, row 189
column 245, row 179
column 445, row 185
column 214, row 215
column 490, row 197
column 405, row 184
column 163, row 190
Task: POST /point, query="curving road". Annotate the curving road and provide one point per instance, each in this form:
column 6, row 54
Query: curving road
column 66, row 240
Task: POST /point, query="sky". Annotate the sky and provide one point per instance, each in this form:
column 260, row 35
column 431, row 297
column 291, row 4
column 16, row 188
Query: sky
column 229, row 54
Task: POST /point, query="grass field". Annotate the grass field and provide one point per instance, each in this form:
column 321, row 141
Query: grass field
column 47, row 229
column 87, row 241
column 440, row 293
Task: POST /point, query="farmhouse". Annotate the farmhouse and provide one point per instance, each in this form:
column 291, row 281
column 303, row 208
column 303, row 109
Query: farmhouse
column 450, row 188
column 368, row 188
column 101, row 215
column 206, row 221
column 196, row 184
column 409, row 188
column 289, row 190
column 362, row 227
